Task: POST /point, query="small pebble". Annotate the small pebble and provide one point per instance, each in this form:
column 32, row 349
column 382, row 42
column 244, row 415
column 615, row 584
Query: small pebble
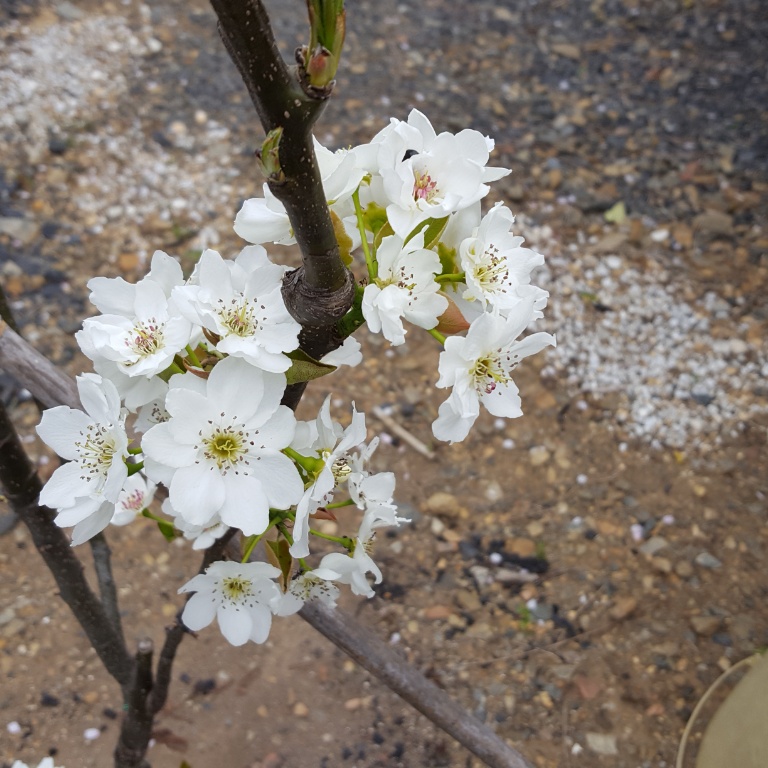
column 89, row 734
column 538, row 455
column 13, row 728
column 653, row 545
column 707, row 560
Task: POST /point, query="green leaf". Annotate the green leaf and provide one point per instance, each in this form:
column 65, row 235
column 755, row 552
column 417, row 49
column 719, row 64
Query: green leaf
column 375, row 217
column 383, row 232
column 305, row 368
column 280, row 557
column 432, row 229
column 165, row 526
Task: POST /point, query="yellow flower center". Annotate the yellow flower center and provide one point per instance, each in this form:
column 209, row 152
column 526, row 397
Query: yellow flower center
column 236, row 588
column 226, row 447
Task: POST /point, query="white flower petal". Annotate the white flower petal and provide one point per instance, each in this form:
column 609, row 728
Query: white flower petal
column 199, row 611
column 236, row 624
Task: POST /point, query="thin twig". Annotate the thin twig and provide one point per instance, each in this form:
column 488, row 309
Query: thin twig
column 136, row 728
column 321, row 291
column 22, row 487
column 402, row 433
column 30, row 369
column 379, row 659
column 175, row 633
column 102, row 561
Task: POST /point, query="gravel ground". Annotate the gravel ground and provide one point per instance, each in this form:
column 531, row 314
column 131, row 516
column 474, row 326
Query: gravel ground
column 634, row 489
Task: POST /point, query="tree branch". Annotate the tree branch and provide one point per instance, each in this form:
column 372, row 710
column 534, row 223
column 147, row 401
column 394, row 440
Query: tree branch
column 281, row 102
column 321, row 291
column 22, row 486
column 102, row 561
column 175, row 633
column 378, row 658
column 136, row 728
column 40, row 376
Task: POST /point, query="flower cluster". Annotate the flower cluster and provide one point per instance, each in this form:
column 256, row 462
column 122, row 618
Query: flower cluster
column 190, row 374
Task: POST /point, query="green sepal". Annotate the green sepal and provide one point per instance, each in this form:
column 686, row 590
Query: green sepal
column 305, row 368
column 280, row 557
column 134, row 467
column 432, row 230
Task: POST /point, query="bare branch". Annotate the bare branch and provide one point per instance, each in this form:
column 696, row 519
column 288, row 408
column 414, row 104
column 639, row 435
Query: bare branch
column 370, row 652
column 42, row 378
column 136, row 729
column 102, row 561
column 175, row 633
column 322, row 289
column 22, row 486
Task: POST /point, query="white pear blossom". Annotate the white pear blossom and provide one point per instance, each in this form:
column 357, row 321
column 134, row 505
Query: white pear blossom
column 241, row 303
column 46, row 762
column 264, row 219
column 373, row 494
column 308, row 587
column 139, row 330
column 404, row 288
column 201, row 537
column 134, row 391
column 494, row 263
column 427, row 175
column 95, row 445
column 237, row 595
column 220, row 452
column 349, row 353
column 327, row 440
column 152, row 413
column 137, row 494
column 142, row 344
column 479, row 368
column 353, row 569
column 116, row 296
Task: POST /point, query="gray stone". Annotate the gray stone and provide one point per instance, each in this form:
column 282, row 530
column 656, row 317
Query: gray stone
column 602, row 743
column 707, row 560
column 653, row 545
column 68, row 11
column 23, row 230
column 705, row 626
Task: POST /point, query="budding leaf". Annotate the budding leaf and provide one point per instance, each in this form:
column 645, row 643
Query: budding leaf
column 343, row 239
column 270, row 155
column 327, row 29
